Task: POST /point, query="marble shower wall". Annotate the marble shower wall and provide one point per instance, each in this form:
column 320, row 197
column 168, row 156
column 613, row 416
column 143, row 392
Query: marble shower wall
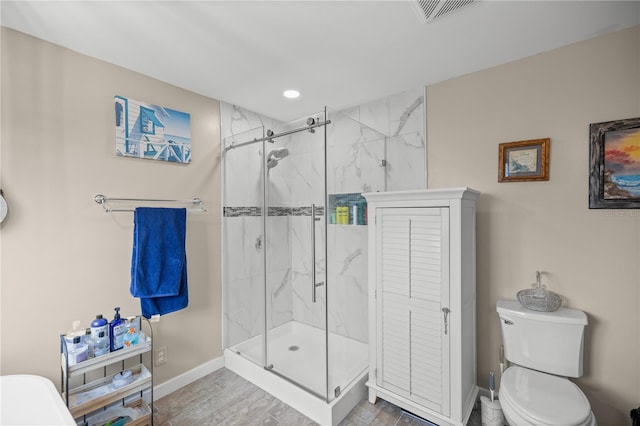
column 354, row 164
column 400, row 116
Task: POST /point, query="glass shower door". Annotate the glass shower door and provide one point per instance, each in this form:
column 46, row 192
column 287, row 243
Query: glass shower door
column 295, row 236
column 243, row 260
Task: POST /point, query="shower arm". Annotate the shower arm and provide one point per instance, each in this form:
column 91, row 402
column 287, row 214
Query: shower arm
column 277, row 135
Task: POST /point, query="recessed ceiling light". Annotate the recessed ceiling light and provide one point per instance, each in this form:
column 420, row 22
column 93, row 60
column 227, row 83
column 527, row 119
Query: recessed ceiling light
column 291, row 94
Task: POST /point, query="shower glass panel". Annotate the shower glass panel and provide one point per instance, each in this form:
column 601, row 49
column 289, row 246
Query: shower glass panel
column 244, row 259
column 295, row 246
column 356, row 163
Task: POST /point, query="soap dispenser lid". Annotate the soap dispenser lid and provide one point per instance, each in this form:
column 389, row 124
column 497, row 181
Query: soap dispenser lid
column 117, row 315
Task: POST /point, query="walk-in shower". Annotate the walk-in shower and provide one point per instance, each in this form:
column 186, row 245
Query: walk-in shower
column 295, row 280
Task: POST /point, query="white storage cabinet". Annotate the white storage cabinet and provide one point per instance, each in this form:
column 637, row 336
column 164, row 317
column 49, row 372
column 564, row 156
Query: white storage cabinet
column 422, row 302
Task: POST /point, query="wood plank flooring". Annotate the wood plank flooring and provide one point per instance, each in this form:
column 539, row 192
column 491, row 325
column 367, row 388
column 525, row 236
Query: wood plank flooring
column 224, row 398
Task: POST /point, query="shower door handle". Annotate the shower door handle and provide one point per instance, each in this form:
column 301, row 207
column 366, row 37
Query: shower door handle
column 313, row 254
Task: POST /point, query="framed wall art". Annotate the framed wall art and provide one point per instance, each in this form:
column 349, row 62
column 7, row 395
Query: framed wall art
column 614, row 168
column 524, row 160
column 152, row 132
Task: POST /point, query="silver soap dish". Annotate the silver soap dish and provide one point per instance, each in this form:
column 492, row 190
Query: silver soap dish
column 538, row 298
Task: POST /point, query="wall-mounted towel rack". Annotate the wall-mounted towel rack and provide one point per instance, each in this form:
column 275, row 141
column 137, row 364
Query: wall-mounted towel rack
column 192, row 205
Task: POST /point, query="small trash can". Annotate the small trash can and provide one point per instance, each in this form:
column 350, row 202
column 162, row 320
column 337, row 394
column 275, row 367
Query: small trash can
column 635, row 417
column 491, row 412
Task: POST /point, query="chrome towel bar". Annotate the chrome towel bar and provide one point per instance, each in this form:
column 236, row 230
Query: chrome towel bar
column 194, row 204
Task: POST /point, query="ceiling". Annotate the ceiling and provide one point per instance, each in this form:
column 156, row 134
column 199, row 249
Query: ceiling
column 336, row 53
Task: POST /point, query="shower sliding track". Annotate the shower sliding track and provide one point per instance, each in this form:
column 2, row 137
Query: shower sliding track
column 270, row 135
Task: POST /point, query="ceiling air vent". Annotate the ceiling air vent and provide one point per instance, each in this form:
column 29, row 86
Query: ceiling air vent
column 428, row 10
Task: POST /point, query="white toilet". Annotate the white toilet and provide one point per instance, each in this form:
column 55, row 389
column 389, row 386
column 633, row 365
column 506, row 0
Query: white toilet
column 543, row 349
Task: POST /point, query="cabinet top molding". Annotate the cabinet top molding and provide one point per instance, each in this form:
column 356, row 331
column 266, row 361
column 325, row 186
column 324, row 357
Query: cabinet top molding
column 424, row 194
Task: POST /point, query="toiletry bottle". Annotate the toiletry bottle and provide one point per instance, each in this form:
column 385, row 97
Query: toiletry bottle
column 354, row 214
column 116, row 332
column 101, row 344
column 131, row 334
column 344, row 215
column 99, row 324
column 77, row 351
column 88, row 340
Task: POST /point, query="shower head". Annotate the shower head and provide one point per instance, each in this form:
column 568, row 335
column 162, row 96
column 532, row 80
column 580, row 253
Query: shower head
column 276, row 155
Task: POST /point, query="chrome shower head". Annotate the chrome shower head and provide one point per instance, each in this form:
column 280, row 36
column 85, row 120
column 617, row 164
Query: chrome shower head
column 276, row 155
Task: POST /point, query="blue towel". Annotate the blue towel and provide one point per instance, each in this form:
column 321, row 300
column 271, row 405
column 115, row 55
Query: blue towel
column 159, row 260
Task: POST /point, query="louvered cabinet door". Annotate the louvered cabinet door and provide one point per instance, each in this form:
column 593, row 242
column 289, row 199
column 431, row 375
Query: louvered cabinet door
column 412, row 290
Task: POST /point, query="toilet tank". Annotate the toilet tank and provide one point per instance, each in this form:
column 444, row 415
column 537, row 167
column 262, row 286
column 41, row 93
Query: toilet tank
column 551, row 342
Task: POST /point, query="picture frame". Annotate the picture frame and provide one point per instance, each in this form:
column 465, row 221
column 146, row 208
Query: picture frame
column 523, row 161
column 614, row 167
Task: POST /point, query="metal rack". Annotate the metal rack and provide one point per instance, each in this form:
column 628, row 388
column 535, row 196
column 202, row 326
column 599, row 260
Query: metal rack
column 194, row 204
column 80, row 408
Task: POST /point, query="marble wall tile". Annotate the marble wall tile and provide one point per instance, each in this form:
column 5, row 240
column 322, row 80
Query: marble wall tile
column 406, row 113
column 279, row 271
column 244, row 309
column 405, row 162
column 348, row 286
column 243, row 243
column 235, row 120
column 242, row 183
column 354, row 155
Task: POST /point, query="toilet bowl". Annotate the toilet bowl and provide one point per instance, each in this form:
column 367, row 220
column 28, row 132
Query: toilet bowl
column 529, row 397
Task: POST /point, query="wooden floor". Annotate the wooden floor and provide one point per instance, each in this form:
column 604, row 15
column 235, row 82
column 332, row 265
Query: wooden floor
column 224, row 398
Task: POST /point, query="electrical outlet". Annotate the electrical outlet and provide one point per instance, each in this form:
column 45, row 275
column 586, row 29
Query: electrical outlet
column 160, row 356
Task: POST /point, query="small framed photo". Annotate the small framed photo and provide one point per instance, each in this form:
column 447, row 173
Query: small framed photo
column 614, row 168
column 524, row 161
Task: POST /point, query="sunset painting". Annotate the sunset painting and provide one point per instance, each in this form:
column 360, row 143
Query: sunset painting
column 622, row 164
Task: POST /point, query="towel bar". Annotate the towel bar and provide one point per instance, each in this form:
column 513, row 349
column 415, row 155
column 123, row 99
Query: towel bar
column 104, row 200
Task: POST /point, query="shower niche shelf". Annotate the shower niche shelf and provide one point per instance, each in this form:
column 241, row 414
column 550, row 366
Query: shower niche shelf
column 348, row 201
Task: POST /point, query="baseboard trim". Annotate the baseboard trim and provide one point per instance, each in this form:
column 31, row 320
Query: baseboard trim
column 172, row 385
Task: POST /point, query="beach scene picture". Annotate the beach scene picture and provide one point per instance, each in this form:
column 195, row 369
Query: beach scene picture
column 622, row 164
column 152, row 132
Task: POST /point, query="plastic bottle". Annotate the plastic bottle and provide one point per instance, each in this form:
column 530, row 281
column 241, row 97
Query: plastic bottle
column 101, row 344
column 132, row 332
column 88, row 340
column 99, row 324
column 77, row 351
column 116, row 331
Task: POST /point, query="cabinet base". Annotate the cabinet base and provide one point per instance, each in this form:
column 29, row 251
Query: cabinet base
column 376, row 392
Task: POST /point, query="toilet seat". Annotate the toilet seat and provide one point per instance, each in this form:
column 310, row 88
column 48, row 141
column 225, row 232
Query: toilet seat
column 543, row 399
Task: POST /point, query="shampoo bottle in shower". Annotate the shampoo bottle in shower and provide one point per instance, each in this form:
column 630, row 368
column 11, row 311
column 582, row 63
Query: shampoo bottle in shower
column 117, row 328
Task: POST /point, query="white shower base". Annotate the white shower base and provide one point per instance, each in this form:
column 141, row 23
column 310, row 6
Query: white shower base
column 348, row 361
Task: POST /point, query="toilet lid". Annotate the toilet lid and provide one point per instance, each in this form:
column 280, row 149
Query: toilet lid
column 544, row 399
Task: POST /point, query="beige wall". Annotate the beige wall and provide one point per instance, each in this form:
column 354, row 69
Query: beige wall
column 588, row 256
column 62, row 257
